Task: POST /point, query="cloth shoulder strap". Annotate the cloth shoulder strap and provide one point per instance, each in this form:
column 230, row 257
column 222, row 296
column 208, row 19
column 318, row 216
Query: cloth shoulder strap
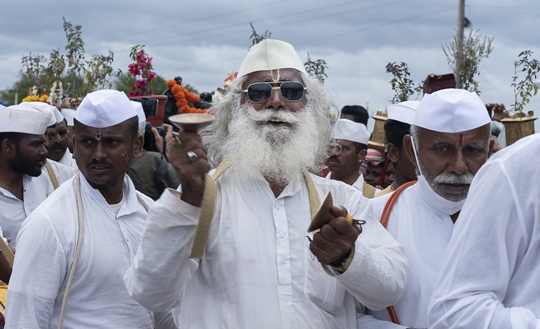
column 385, row 216
column 209, row 199
column 160, row 172
column 368, row 191
column 80, row 236
column 54, row 180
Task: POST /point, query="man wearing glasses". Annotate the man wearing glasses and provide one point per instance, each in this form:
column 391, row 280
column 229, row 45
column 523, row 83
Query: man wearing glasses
column 258, row 269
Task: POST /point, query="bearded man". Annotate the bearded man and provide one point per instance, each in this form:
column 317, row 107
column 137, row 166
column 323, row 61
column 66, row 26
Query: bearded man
column 258, row 269
column 449, row 142
column 22, row 155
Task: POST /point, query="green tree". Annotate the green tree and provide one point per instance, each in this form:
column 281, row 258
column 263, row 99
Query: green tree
column 19, row 89
column 475, row 49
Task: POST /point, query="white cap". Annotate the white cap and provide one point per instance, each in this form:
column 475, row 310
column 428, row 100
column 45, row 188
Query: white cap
column 402, row 112
column 140, row 114
column 537, row 83
column 1, row 106
column 451, row 111
column 59, row 117
column 24, row 119
column 69, row 114
column 271, row 54
column 104, row 108
column 350, row 131
column 44, row 107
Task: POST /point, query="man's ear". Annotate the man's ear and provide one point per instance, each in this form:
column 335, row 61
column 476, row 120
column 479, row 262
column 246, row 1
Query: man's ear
column 362, row 155
column 8, row 146
column 408, row 148
column 138, row 146
column 393, row 152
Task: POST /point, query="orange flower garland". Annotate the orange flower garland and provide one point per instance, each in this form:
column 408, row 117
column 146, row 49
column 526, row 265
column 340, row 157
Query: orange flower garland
column 184, row 97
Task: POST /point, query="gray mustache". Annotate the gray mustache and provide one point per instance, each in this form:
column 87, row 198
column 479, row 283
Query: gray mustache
column 454, row 179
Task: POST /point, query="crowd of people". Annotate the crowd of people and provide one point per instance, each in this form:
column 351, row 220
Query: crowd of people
column 210, row 230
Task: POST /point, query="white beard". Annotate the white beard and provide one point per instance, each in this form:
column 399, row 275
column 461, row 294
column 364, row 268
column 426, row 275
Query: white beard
column 278, row 153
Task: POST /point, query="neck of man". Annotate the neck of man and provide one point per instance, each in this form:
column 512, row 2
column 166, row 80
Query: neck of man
column 347, row 178
column 112, row 193
column 399, row 178
column 12, row 181
column 455, row 216
column 276, row 188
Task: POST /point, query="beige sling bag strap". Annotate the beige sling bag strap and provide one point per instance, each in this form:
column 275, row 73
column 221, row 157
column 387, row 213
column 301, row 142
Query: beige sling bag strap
column 80, row 235
column 209, row 199
column 54, row 180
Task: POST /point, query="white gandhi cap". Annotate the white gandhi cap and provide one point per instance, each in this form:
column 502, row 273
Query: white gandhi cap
column 41, row 106
column 24, row 119
column 271, row 54
column 451, row 111
column 402, row 112
column 69, row 114
column 104, row 108
column 140, row 114
column 350, row 131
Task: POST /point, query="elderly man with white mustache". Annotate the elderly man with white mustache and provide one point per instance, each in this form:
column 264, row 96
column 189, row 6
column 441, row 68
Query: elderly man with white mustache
column 449, row 142
column 258, row 269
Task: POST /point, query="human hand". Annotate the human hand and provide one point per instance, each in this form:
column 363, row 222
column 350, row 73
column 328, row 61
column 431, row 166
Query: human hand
column 191, row 172
column 159, row 140
column 333, row 243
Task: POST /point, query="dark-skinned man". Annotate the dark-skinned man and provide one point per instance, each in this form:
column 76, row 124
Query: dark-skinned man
column 400, row 118
column 258, row 269
column 449, row 142
column 87, row 232
column 346, row 153
column 58, row 141
column 22, row 155
column 55, row 172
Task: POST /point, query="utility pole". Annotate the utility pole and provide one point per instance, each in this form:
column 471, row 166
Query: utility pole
column 460, row 27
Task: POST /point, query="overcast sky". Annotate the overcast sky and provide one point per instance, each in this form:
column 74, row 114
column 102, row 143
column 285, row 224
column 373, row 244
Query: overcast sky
column 203, row 40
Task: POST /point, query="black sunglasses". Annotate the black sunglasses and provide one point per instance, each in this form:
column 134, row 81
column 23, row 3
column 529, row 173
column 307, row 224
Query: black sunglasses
column 260, row 92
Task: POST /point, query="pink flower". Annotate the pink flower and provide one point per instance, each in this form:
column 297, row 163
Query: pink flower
column 141, row 84
column 151, row 76
column 133, row 69
column 140, row 55
column 149, row 61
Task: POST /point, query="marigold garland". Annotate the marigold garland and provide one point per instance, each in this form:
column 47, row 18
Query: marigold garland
column 32, row 98
column 183, row 97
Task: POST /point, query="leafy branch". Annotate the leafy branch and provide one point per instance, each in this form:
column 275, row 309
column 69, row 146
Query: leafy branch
column 316, row 68
column 525, row 88
column 402, row 85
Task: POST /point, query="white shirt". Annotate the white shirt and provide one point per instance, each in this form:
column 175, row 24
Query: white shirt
column 62, row 172
column 490, row 275
column 358, row 184
column 47, row 243
column 67, row 160
column 14, row 211
column 424, row 233
column 258, row 271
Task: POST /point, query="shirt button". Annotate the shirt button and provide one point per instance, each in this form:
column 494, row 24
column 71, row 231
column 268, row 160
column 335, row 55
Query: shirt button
column 276, row 205
column 282, row 260
column 281, row 234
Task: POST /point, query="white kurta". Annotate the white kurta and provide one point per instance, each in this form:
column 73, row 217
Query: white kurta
column 358, row 184
column 424, row 233
column 67, row 160
column 14, row 211
column 490, row 277
column 47, row 243
column 258, row 271
column 62, row 172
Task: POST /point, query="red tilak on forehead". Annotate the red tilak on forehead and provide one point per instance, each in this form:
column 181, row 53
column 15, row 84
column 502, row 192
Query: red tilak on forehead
column 460, row 140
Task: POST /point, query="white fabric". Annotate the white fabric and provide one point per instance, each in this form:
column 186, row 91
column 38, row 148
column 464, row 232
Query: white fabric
column 47, row 242
column 62, row 172
column 402, row 112
column 104, row 108
column 350, row 131
column 14, row 211
column 44, row 107
column 424, row 233
column 451, row 111
column 26, row 118
column 69, row 114
column 67, row 160
column 271, row 54
column 140, row 114
column 57, row 115
column 258, row 271
column 489, row 277
column 358, row 184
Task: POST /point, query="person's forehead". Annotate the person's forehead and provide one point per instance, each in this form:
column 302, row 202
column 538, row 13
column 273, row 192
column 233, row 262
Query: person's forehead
column 345, row 142
column 274, row 75
column 472, row 136
column 61, row 125
column 116, row 130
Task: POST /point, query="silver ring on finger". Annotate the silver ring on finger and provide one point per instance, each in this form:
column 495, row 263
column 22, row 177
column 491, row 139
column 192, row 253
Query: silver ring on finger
column 192, row 156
